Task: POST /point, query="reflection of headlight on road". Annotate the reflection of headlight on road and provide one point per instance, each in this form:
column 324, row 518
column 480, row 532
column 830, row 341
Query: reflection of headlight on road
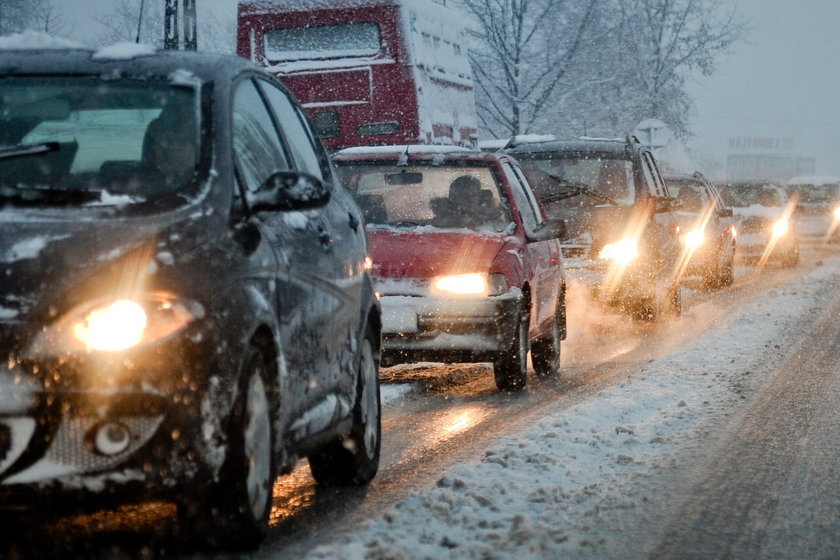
column 622, row 251
column 693, row 239
column 780, row 227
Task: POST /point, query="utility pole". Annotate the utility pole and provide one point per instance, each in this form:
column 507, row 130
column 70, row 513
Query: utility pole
column 173, row 19
column 171, row 38
column 190, row 39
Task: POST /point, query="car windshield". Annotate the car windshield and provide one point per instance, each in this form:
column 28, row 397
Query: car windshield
column 427, row 195
column 743, row 196
column 589, row 180
column 86, row 141
column 815, row 193
column 689, row 193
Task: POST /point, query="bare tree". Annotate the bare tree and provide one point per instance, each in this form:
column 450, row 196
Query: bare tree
column 14, row 16
column 46, row 16
column 524, row 50
column 661, row 42
column 123, row 20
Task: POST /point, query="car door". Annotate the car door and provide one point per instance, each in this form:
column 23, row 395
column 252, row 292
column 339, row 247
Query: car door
column 342, row 236
column 302, row 251
column 663, row 227
column 545, row 255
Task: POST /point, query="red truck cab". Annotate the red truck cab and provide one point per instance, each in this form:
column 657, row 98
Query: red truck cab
column 367, row 71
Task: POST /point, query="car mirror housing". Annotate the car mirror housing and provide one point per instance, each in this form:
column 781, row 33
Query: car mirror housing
column 667, row 204
column 553, row 228
column 289, row 190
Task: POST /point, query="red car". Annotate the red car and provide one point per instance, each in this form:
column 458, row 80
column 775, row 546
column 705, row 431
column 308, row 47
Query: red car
column 468, row 266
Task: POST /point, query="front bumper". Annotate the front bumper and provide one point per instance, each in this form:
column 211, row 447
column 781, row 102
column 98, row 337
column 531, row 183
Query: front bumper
column 621, row 289
column 448, row 329
column 754, row 246
column 98, row 431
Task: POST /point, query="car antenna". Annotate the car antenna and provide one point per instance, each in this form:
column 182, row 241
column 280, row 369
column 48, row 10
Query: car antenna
column 139, row 21
column 404, row 156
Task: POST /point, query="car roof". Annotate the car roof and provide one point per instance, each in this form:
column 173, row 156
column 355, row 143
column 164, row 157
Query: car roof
column 748, row 184
column 420, row 153
column 611, row 146
column 121, row 60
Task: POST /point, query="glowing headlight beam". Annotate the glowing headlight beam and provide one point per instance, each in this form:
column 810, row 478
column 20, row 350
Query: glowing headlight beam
column 462, row 284
column 778, row 230
column 116, row 327
column 623, row 251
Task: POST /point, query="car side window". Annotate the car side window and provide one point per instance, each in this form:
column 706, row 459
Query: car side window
column 258, row 150
column 531, row 217
column 656, row 185
column 296, row 133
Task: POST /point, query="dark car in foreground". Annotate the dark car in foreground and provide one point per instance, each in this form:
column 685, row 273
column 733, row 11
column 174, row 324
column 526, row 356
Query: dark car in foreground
column 622, row 236
column 468, row 266
column 767, row 230
column 185, row 307
column 707, row 230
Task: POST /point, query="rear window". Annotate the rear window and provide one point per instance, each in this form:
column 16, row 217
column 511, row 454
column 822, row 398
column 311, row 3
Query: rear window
column 449, row 197
column 345, row 40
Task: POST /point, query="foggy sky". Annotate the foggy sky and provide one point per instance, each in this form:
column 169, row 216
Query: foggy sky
column 781, row 84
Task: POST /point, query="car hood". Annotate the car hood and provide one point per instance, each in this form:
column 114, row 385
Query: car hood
column 50, row 261
column 597, row 226
column 419, row 255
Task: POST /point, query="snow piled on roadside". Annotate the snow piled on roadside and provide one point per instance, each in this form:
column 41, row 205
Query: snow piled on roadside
column 575, row 484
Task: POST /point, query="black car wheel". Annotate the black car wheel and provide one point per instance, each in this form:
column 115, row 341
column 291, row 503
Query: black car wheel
column 233, row 513
column 726, row 274
column 511, row 366
column 355, row 459
column 791, row 258
column 545, row 352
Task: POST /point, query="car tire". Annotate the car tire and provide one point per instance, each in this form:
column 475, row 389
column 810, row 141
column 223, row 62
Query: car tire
column 510, row 368
column 354, row 460
column 233, row 512
column 726, row 274
column 545, row 352
column 791, row 258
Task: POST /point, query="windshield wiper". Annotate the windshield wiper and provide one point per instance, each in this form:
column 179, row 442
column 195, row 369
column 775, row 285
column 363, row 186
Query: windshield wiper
column 29, row 150
column 35, row 196
column 575, row 189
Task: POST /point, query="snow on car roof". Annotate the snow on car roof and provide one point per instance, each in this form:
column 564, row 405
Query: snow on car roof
column 409, row 148
column 816, row 180
column 36, row 40
column 123, row 51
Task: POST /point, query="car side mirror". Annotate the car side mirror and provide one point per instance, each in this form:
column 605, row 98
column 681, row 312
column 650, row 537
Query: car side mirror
column 667, row 204
column 289, row 190
column 557, row 227
column 725, row 213
column 553, row 228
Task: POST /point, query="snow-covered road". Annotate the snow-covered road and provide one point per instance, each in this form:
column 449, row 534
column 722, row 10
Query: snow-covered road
column 592, row 481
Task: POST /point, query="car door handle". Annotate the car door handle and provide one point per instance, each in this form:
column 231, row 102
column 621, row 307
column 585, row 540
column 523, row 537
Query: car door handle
column 325, row 238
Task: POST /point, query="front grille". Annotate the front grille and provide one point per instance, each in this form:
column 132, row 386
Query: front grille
column 754, row 224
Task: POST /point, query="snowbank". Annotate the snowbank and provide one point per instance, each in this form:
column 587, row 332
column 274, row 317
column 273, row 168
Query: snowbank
column 578, row 484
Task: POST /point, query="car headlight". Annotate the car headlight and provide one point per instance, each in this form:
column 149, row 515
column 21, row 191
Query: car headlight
column 113, row 325
column 473, row 284
column 693, row 239
column 780, row 227
column 623, row 251
column 837, row 213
